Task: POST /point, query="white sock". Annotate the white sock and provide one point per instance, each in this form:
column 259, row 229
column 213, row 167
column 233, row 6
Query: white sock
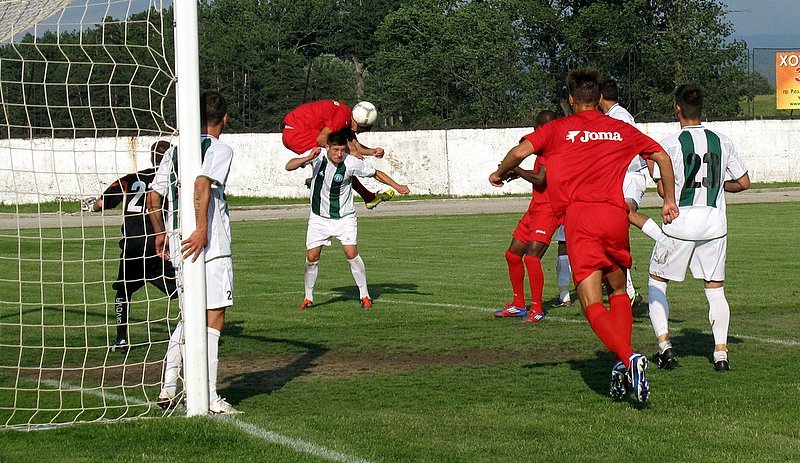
column 659, row 307
column 172, row 362
column 310, row 279
column 664, row 345
column 651, row 229
column 719, row 314
column 720, row 355
column 629, row 285
column 564, row 272
column 359, row 271
column 213, row 363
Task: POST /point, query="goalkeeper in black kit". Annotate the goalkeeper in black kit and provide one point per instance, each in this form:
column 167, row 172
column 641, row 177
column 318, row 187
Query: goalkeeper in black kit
column 139, row 262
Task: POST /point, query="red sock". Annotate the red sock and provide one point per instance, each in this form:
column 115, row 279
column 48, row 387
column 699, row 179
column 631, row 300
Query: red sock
column 536, row 277
column 516, row 273
column 623, row 314
column 605, row 327
column 362, row 191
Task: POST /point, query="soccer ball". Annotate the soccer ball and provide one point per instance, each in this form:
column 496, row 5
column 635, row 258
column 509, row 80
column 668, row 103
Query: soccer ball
column 364, row 113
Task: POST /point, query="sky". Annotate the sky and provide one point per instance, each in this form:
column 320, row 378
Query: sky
column 765, row 23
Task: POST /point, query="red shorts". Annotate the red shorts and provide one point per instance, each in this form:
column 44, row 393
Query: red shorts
column 536, row 226
column 299, row 141
column 597, row 239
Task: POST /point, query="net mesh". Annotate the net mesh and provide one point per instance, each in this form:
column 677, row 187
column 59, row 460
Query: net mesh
column 85, row 89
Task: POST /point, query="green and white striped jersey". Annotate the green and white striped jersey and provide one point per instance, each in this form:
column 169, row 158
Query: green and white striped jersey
column 217, row 157
column 702, row 160
column 331, row 185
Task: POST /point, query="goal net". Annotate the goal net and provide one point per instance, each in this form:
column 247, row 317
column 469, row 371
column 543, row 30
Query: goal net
column 86, row 88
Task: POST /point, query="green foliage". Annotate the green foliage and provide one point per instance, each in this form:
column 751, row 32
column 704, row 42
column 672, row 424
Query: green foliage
column 426, row 63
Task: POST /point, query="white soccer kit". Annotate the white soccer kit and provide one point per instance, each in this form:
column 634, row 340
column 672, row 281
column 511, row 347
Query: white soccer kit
column 702, row 160
column 635, row 181
column 217, row 157
column 332, row 207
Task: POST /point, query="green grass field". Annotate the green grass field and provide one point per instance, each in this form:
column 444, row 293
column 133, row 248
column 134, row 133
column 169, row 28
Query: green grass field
column 428, row 375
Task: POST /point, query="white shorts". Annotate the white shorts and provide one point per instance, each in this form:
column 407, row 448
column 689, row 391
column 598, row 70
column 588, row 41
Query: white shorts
column 321, row 230
column 706, row 259
column 633, row 186
column 219, row 283
column 560, row 236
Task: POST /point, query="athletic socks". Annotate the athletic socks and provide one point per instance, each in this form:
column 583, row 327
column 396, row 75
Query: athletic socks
column 564, row 272
column 651, row 229
column 608, row 330
column 310, row 278
column 719, row 314
column 659, row 308
column 213, row 363
column 359, row 271
column 172, row 363
column 121, row 308
column 623, row 315
column 664, row 345
column 516, row 273
column 536, row 279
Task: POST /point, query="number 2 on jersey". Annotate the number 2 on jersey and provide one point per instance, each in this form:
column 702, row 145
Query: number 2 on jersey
column 691, row 167
column 136, row 205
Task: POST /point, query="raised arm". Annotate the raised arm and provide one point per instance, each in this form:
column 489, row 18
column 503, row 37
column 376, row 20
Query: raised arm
column 296, row 163
column 513, row 158
column 385, row 179
column 359, row 150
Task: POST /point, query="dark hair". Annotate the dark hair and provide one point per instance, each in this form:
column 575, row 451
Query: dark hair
column 610, row 90
column 338, row 138
column 690, row 98
column 543, row 118
column 584, row 85
column 157, row 151
column 213, row 107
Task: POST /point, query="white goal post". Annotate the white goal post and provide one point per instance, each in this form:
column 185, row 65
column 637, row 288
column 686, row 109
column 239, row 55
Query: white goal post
column 86, row 87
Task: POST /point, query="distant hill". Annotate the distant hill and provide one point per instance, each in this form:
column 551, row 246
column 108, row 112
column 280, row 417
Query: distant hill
column 788, row 41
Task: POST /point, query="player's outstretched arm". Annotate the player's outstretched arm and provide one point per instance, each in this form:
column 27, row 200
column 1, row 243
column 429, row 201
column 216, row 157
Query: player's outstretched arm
column 669, row 211
column 156, row 216
column 194, row 244
column 538, row 177
column 385, row 179
column 740, row 184
column 297, row 163
column 359, row 150
column 513, row 158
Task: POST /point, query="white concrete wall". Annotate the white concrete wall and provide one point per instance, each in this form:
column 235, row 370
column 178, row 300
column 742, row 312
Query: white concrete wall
column 452, row 162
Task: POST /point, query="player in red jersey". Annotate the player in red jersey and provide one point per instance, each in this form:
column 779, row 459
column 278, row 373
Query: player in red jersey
column 530, row 241
column 587, row 155
column 308, row 126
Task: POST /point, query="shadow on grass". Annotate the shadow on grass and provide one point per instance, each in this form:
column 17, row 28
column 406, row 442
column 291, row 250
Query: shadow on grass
column 692, row 342
column 376, row 290
column 254, row 383
column 595, row 371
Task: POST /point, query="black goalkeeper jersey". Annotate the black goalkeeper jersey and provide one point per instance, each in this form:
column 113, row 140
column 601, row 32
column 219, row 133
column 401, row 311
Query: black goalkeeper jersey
column 131, row 190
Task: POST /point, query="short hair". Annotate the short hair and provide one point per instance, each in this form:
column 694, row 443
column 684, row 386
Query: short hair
column 690, row 98
column 157, row 151
column 584, row 85
column 609, row 90
column 543, row 118
column 338, row 138
column 213, row 107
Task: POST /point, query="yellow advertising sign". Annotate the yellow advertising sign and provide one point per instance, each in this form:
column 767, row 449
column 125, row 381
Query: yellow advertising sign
column 787, row 79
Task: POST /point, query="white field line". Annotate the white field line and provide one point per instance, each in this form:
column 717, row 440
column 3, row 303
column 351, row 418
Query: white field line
column 298, row 445
column 778, row 341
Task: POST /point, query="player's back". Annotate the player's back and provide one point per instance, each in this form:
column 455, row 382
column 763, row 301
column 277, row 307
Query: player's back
column 319, row 114
column 131, row 191
column 587, row 156
column 701, row 158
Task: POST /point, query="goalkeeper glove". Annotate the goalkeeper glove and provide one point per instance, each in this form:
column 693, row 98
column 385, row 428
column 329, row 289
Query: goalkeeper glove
column 87, row 203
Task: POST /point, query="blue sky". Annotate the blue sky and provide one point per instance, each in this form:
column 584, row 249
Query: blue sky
column 766, row 23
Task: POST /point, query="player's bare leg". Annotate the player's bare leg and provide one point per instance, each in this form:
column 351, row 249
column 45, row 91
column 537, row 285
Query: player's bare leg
column 666, row 357
column 371, row 199
column 719, row 316
column 359, row 271
column 534, row 252
column 516, row 274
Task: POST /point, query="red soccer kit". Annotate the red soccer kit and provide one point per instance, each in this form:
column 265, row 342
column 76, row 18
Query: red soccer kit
column 539, row 222
column 587, row 156
column 302, row 126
